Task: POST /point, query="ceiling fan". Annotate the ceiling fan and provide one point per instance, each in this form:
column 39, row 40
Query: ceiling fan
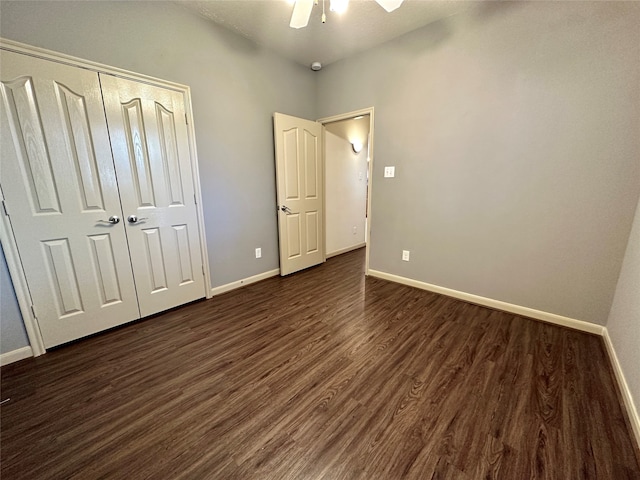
column 302, row 9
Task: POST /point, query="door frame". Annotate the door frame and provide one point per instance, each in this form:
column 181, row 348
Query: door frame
column 7, row 238
column 336, row 118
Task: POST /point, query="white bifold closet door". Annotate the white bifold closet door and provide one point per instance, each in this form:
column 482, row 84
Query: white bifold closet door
column 60, row 189
column 87, row 267
column 151, row 152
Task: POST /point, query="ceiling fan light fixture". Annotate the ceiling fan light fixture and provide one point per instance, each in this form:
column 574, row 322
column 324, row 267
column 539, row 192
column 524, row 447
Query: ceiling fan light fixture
column 338, row 6
column 389, row 5
column 301, row 13
column 302, row 9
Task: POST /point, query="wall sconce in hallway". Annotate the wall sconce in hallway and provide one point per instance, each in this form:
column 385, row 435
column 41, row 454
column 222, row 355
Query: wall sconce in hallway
column 357, row 147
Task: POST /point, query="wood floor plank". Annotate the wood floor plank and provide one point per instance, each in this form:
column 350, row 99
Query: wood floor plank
column 324, row 374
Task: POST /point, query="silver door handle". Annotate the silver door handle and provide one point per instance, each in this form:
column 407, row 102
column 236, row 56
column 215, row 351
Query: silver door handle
column 135, row 219
column 286, row 209
column 113, row 219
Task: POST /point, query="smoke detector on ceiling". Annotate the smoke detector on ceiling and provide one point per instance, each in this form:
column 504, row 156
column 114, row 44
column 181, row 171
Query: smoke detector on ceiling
column 315, row 66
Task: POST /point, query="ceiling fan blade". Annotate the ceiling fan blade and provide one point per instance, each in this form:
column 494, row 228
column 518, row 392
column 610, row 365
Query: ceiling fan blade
column 389, row 5
column 301, row 13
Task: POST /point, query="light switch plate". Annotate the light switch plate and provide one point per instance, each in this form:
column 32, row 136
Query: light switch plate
column 405, row 255
column 258, row 252
column 389, row 172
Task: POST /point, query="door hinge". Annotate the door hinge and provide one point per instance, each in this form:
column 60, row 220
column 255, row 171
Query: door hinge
column 33, row 310
column 4, row 207
column 203, row 274
column 195, row 199
column 186, row 120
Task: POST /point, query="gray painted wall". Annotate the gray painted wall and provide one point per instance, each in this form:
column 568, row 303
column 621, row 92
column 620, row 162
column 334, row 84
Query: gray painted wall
column 624, row 319
column 12, row 333
column 235, row 86
column 514, row 133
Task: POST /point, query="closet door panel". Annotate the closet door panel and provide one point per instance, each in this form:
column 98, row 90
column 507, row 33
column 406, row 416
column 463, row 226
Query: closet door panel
column 59, row 183
column 151, row 152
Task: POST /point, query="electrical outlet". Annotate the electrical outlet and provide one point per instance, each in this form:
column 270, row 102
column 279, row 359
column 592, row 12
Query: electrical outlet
column 355, row 230
column 389, row 172
column 405, row 255
column 258, row 253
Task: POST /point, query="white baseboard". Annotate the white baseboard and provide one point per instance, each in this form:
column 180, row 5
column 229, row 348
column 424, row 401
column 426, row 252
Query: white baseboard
column 245, row 281
column 345, row 250
column 497, row 304
column 15, row 355
column 632, row 411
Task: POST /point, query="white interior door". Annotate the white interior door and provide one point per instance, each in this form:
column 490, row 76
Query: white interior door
column 58, row 179
column 299, row 172
column 150, row 145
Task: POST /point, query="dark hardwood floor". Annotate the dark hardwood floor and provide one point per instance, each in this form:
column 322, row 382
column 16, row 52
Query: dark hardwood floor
column 324, row 374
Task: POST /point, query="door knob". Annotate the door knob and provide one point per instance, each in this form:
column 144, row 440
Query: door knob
column 286, row 210
column 113, row 219
column 135, row 219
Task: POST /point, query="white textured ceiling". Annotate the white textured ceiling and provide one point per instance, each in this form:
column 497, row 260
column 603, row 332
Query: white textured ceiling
column 364, row 25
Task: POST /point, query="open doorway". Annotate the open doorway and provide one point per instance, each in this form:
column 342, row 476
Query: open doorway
column 348, row 149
